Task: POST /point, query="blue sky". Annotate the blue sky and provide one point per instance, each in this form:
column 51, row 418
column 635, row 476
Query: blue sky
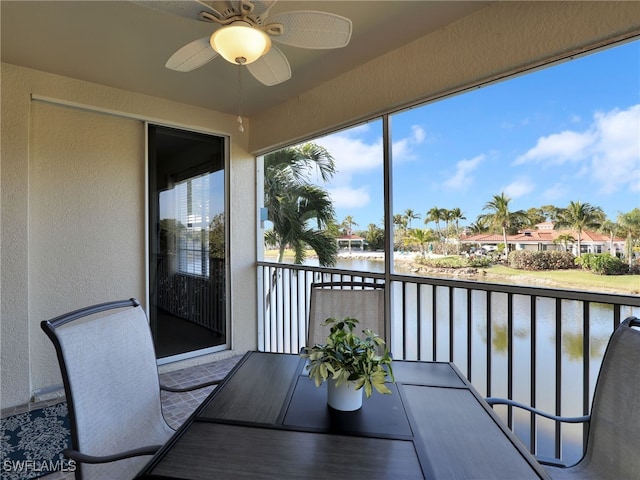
column 566, row 132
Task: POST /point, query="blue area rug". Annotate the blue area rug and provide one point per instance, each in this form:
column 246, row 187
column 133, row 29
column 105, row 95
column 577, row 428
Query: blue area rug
column 32, row 443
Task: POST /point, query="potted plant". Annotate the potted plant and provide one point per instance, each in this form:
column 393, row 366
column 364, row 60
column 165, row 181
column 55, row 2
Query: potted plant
column 349, row 364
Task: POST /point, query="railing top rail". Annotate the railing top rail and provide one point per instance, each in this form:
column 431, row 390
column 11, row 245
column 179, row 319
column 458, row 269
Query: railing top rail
column 325, row 270
column 581, row 295
column 371, row 285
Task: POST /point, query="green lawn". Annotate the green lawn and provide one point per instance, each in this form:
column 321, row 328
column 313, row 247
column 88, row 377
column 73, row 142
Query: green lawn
column 568, row 279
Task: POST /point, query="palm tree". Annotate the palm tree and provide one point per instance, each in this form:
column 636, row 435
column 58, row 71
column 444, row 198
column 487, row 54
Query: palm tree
column 610, row 228
column 579, row 216
column 347, row 223
column 400, row 221
column 294, row 204
column 479, row 226
column 410, row 215
column 564, row 239
column 499, row 216
column 400, row 229
column 456, row 216
column 446, row 216
column 422, row 236
column 435, row 214
column 630, row 222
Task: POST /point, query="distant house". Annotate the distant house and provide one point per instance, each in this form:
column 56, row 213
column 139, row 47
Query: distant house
column 544, row 237
column 348, row 240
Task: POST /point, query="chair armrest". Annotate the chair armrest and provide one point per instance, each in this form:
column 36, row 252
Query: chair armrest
column 505, row 401
column 553, row 462
column 189, row 388
column 84, row 458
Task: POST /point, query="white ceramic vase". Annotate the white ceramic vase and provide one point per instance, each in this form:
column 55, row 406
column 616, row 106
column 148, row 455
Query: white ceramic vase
column 345, row 397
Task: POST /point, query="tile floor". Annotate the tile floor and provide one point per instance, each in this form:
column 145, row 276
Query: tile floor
column 176, row 407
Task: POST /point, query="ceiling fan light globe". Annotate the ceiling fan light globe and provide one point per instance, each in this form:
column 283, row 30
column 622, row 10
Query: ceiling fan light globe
column 240, row 43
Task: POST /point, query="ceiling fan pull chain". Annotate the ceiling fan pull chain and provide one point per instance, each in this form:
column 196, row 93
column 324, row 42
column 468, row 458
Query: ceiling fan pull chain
column 241, row 127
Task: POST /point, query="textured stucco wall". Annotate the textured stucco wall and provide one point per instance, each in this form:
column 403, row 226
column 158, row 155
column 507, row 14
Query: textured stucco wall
column 502, row 38
column 83, row 167
column 73, row 205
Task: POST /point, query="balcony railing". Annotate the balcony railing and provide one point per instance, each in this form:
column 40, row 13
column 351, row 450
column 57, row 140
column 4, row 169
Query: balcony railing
column 198, row 299
column 540, row 346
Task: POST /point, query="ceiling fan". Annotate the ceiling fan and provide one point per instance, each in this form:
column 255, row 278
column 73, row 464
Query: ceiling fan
column 243, row 32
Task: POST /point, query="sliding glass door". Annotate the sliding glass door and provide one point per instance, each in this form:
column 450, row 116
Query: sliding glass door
column 187, row 240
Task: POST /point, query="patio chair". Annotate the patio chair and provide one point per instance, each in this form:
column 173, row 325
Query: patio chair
column 614, row 422
column 363, row 301
column 110, row 376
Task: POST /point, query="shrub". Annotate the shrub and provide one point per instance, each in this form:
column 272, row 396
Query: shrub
column 602, row 264
column 442, row 262
column 479, row 262
column 541, row 260
column 454, row 262
column 586, row 261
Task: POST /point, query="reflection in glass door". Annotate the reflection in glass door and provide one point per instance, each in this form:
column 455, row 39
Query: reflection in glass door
column 187, row 238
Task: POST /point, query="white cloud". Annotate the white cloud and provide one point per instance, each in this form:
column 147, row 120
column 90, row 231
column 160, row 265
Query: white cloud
column 608, row 151
column 347, row 197
column 518, row 188
column 354, row 155
column 558, row 148
column 462, row 177
column 615, row 162
column 403, row 149
column 418, row 133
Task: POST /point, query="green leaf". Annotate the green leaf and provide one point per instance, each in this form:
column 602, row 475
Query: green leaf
column 382, row 388
column 347, row 357
column 367, row 388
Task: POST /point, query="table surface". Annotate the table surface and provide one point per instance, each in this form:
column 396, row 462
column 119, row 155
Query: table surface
column 268, row 420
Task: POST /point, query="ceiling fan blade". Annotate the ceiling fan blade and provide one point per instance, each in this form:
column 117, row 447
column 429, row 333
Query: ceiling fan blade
column 192, row 56
column 189, row 9
column 272, row 68
column 309, row 29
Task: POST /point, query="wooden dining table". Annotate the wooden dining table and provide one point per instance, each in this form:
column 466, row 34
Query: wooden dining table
column 268, row 420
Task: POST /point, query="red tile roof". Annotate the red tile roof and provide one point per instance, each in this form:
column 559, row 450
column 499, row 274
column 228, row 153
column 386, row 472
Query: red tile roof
column 538, row 236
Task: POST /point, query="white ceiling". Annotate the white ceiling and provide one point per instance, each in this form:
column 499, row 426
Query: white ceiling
column 124, row 45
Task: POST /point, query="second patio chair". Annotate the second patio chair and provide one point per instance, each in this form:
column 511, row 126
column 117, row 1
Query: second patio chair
column 363, row 301
column 614, row 423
